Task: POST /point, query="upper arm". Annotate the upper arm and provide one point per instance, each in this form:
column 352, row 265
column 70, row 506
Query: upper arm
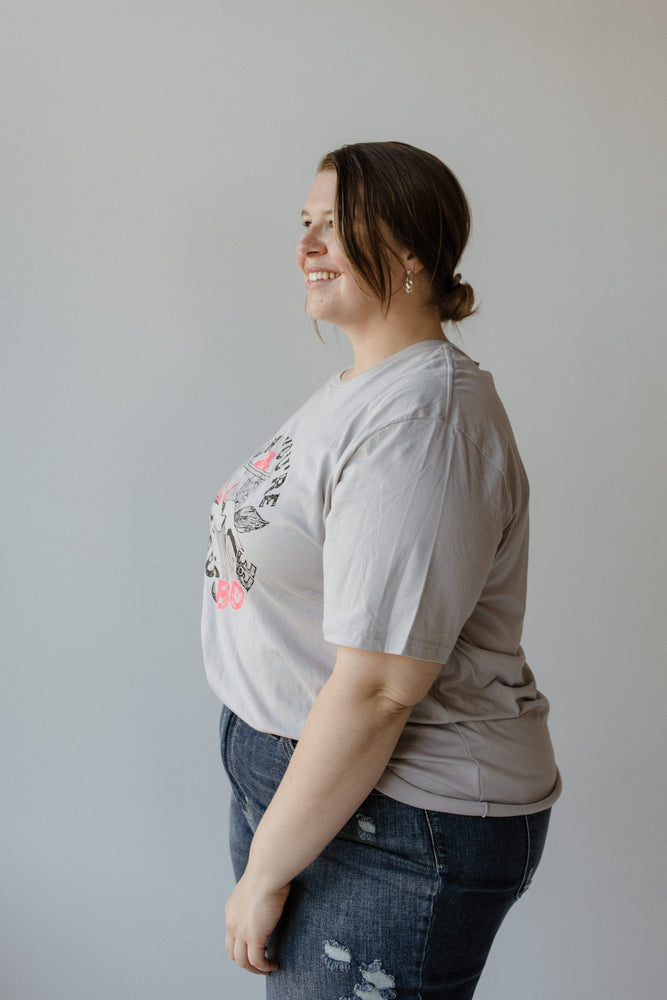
column 411, row 535
column 400, row 680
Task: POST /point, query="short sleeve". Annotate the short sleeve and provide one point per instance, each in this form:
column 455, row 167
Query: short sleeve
column 415, row 521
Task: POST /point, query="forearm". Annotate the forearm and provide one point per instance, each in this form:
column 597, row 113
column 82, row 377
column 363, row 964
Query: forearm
column 346, row 743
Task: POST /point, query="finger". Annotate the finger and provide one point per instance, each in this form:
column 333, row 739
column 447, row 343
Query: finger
column 242, row 960
column 229, row 945
column 257, row 958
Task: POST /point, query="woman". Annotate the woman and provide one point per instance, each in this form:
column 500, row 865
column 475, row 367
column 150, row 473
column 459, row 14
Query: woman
column 391, row 767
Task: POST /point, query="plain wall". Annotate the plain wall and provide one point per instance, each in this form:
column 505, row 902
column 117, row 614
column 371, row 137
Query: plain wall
column 155, row 159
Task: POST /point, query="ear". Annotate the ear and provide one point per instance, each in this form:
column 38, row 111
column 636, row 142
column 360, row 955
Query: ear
column 411, row 262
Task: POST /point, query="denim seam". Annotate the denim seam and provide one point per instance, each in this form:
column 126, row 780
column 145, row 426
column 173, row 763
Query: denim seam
column 223, row 730
column 227, row 737
column 231, row 740
column 231, row 736
column 286, row 742
column 523, row 885
column 436, row 889
column 436, row 853
column 425, row 950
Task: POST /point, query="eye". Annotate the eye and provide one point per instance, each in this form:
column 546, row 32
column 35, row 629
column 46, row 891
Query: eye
column 305, row 223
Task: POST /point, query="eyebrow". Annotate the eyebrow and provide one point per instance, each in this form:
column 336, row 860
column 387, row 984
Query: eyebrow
column 304, row 211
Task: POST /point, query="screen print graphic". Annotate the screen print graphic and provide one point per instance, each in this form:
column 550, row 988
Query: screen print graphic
column 244, row 504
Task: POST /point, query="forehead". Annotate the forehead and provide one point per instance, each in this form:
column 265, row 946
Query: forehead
column 322, row 195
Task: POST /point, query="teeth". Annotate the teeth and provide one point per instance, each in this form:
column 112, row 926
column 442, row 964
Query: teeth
column 322, row 276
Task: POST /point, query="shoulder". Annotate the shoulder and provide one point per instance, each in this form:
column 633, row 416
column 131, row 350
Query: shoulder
column 435, row 381
column 477, row 412
column 415, row 383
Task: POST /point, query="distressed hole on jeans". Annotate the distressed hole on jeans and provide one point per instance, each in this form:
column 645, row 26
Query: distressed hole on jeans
column 366, row 991
column 365, row 826
column 336, row 956
column 378, row 984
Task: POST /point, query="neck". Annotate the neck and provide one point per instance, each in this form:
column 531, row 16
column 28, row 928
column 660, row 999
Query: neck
column 373, row 345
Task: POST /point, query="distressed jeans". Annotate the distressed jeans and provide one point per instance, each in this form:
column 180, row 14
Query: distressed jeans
column 402, row 905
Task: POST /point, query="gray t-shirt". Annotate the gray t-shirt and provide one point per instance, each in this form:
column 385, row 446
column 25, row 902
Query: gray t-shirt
column 389, row 513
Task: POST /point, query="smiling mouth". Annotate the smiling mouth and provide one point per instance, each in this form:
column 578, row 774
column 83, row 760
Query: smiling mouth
column 314, row 276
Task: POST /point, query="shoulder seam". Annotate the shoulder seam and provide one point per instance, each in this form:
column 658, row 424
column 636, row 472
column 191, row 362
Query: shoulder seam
column 474, row 444
column 441, row 419
column 448, row 378
column 490, row 461
column 393, row 423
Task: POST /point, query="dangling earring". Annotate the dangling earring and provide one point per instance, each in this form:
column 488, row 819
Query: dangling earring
column 409, row 282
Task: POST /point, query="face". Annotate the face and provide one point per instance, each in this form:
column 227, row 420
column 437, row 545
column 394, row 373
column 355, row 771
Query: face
column 333, row 293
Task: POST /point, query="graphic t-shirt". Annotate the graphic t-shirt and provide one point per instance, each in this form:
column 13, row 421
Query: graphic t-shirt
column 389, row 513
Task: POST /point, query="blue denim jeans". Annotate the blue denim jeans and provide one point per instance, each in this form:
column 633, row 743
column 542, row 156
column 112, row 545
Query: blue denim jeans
column 402, row 905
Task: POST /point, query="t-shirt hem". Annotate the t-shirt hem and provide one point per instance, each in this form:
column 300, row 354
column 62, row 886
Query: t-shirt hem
column 397, row 788
column 416, row 648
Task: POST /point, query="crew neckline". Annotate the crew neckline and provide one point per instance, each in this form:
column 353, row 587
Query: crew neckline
column 338, row 382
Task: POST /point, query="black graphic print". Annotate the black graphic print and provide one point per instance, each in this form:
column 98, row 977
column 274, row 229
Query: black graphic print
column 233, row 515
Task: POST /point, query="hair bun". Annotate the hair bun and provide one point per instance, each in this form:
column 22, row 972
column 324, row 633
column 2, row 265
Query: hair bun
column 458, row 302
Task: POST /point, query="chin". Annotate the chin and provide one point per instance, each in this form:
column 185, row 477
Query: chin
column 320, row 314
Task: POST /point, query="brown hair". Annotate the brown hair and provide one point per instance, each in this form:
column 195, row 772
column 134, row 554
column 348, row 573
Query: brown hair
column 391, row 188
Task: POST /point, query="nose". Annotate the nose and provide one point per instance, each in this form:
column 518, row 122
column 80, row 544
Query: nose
column 312, row 241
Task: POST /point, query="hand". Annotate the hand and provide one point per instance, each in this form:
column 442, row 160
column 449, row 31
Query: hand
column 251, row 914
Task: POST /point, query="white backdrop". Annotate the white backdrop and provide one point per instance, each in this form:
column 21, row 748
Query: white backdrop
column 156, row 155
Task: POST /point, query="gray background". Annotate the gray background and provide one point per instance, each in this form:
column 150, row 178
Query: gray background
column 155, row 159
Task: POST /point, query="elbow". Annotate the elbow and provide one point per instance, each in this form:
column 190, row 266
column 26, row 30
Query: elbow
column 388, row 685
column 390, row 706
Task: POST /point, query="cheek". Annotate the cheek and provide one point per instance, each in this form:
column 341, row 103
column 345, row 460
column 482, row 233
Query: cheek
column 337, row 257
